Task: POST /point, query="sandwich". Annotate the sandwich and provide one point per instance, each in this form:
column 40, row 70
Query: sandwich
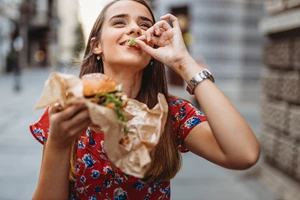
column 103, row 90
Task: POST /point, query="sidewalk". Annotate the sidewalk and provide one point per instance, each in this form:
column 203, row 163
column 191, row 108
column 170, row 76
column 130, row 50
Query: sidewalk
column 20, row 154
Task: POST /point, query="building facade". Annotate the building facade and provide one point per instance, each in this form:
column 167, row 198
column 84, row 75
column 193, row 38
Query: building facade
column 281, row 98
column 224, row 34
column 42, row 30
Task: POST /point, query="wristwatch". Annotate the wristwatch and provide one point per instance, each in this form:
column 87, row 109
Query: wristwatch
column 205, row 74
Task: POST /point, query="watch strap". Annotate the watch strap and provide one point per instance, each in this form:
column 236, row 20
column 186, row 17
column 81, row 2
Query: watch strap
column 196, row 80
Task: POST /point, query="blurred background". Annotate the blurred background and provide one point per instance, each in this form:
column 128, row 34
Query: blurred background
column 251, row 46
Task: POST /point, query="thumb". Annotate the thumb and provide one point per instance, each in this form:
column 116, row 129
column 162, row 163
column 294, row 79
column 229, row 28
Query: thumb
column 54, row 109
column 148, row 49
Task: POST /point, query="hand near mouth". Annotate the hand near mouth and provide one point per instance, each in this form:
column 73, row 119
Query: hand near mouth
column 171, row 47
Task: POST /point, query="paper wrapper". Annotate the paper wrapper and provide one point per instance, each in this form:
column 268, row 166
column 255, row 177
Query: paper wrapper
column 130, row 153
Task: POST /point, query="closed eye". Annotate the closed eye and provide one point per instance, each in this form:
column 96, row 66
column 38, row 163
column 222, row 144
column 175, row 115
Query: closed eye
column 145, row 25
column 119, row 22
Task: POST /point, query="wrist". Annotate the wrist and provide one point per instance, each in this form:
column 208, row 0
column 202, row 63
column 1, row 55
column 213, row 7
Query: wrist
column 188, row 68
column 58, row 146
column 197, row 79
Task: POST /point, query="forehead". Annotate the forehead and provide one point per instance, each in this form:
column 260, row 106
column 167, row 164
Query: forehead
column 127, row 7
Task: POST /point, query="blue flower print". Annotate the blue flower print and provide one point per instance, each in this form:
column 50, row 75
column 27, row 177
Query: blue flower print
column 81, row 145
column 172, row 103
column 88, row 161
column 41, row 138
column 147, row 197
column 198, row 112
column 95, row 174
column 193, row 121
column 150, row 190
column 178, row 102
column 93, row 198
column 120, row 194
column 92, row 142
column 98, row 189
column 80, row 190
column 138, row 185
column 39, row 134
column 82, row 179
column 38, row 131
column 88, row 132
column 102, row 146
column 182, row 109
column 77, row 167
column 118, row 180
column 107, row 169
column 107, row 183
column 156, row 185
column 166, row 191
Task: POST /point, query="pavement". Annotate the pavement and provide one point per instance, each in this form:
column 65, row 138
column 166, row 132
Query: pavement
column 20, row 153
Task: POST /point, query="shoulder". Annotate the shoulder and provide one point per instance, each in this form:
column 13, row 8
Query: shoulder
column 176, row 104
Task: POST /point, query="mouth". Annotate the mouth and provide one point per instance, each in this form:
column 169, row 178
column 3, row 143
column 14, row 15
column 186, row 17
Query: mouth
column 127, row 45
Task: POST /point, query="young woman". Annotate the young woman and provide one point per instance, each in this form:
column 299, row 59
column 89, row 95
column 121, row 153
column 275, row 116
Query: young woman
column 74, row 163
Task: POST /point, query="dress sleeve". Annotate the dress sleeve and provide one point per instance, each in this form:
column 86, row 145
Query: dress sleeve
column 185, row 117
column 40, row 130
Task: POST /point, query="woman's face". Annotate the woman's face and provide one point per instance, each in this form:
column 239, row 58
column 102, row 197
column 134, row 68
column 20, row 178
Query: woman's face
column 124, row 20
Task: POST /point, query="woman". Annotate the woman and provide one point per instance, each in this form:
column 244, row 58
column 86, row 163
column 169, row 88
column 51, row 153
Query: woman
column 74, row 162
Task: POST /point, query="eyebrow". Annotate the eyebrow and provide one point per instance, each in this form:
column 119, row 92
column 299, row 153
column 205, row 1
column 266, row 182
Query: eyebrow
column 126, row 15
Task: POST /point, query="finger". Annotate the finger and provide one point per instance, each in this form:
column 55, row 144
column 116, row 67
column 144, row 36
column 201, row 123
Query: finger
column 149, row 33
column 172, row 18
column 163, row 25
column 70, row 111
column 159, row 28
column 148, row 49
column 156, row 31
column 143, row 37
column 54, row 109
column 79, row 117
column 80, row 128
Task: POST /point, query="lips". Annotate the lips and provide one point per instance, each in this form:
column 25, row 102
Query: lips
column 124, row 43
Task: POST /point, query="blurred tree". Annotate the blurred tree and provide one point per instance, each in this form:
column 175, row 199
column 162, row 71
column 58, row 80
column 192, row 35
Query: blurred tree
column 79, row 40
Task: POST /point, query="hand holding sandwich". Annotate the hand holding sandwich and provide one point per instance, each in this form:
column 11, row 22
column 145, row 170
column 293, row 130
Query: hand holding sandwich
column 66, row 125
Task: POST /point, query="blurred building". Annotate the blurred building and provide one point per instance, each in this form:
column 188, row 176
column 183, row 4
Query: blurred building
column 9, row 15
column 224, row 34
column 45, row 32
column 51, row 32
column 281, row 98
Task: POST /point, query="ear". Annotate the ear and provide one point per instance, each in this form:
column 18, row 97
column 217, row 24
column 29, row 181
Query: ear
column 96, row 46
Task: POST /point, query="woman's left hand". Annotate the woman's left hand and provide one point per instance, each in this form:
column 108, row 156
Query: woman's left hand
column 171, row 48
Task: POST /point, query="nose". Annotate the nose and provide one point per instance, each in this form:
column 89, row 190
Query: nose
column 134, row 30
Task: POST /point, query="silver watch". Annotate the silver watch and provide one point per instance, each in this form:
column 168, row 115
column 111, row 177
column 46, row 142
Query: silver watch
column 205, row 74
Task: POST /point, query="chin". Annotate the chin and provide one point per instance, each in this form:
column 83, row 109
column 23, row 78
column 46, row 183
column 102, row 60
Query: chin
column 132, row 63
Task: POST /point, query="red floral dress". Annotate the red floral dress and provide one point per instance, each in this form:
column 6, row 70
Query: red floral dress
column 95, row 178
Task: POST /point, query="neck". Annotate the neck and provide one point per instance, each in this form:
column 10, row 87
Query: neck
column 131, row 82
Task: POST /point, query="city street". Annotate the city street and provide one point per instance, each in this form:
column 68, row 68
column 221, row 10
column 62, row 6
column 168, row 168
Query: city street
column 20, row 153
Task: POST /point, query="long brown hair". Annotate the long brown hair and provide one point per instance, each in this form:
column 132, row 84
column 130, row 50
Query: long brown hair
column 166, row 159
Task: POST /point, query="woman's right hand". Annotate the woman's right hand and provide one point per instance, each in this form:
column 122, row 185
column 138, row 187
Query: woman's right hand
column 68, row 124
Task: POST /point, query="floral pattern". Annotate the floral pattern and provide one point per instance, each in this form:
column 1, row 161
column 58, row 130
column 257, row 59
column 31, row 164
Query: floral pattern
column 96, row 179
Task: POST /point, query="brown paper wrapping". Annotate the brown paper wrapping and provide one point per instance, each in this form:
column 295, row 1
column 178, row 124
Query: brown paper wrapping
column 130, row 153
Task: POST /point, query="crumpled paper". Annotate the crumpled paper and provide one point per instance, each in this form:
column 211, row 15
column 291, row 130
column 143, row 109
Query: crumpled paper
column 130, row 152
